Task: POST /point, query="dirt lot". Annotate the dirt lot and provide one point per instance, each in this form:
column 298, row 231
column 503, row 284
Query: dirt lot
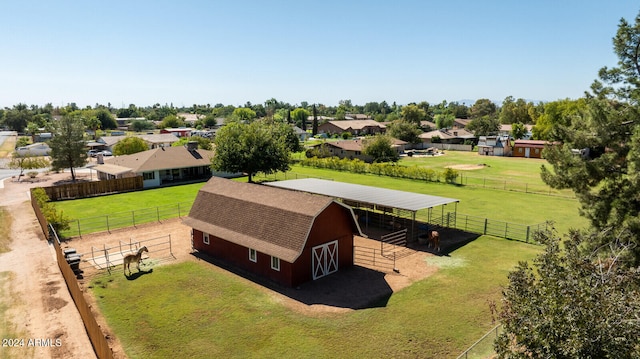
column 41, row 307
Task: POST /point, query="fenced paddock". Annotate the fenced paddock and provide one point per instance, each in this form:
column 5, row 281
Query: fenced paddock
column 117, row 220
column 107, row 257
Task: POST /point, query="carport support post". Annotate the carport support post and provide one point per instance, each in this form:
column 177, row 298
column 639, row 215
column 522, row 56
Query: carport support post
column 414, row 235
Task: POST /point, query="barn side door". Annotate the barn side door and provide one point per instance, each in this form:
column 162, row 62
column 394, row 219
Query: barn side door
column 324, row 259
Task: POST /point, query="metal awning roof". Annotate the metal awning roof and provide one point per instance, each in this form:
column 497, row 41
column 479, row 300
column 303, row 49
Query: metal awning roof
column 365, row 194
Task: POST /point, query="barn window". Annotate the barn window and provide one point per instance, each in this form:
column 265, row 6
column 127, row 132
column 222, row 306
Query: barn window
column 205, row 238
column 275, row 263
column 253, row 255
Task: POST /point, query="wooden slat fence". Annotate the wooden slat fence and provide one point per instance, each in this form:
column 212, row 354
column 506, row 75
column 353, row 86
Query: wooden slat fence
column 97, row 338
column 93, row 188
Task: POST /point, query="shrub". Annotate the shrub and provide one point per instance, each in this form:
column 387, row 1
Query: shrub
column 56, row 218
column 450, row 175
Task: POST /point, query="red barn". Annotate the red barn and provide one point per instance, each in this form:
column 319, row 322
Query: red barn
column 287, row 236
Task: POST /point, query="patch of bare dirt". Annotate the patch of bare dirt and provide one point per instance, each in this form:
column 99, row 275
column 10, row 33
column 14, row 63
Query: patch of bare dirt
column 467, row 167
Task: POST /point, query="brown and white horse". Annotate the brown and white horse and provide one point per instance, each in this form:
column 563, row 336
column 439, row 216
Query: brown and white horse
column 133, row 258
column 434, row 239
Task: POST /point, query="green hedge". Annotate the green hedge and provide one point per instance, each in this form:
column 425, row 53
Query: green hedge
column 381, row 169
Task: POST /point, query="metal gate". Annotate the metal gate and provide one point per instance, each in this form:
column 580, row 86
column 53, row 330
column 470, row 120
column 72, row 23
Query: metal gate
column 324, row 259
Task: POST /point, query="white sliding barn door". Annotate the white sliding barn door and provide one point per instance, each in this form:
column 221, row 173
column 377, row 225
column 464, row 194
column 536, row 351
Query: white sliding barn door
column 324, row 259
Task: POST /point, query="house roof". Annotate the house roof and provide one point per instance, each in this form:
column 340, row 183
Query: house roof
column 112, row 169
column 356, row 145
column 508, row 128
column 533, row 143
column 365, row 194
column 163, row 158
column 153, row 139
column 356, row 124
column 448, row 134
column 270, row 220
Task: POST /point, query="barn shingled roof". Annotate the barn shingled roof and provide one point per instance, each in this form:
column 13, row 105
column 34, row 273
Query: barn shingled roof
column 270, row 220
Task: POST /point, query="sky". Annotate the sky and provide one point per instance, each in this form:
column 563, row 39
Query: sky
column 189, row 52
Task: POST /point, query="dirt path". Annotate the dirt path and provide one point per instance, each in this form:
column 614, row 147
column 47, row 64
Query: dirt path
column 41, row 313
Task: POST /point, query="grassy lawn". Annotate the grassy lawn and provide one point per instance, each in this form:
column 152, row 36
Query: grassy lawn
column 169, row 313
column 481, row 202
column 126, row 202
column 508, row 206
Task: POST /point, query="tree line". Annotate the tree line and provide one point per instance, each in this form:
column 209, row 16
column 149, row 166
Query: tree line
column 485, row 116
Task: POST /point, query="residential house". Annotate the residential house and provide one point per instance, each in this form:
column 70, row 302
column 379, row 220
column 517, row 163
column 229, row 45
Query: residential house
column 178, row 132
column 301, row 134
column 353, row 148
column 161, row 166
column 494, row 146
column 287, row 237
column 152, row 140
column 355, row 127
column 505, row 130
column 448, row 139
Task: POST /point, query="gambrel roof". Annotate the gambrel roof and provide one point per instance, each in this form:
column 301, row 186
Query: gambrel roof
column 270, row 220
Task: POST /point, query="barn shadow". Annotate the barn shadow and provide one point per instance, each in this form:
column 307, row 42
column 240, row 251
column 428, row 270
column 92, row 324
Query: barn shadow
column 353, row 288
column 450, row 241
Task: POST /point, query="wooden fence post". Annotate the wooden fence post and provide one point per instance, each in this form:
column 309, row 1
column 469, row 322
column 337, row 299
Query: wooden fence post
column 485, row 225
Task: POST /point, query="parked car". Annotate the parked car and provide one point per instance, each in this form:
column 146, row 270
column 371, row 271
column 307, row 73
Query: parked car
column 93, row 153
column 106, row 153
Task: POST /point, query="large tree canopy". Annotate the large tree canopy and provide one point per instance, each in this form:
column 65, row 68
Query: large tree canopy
column 581, row 301
column 570, row 306
column 380, row 148
column 68, row 149
column 251, row 148
column 130, row 145
column 405, row 131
